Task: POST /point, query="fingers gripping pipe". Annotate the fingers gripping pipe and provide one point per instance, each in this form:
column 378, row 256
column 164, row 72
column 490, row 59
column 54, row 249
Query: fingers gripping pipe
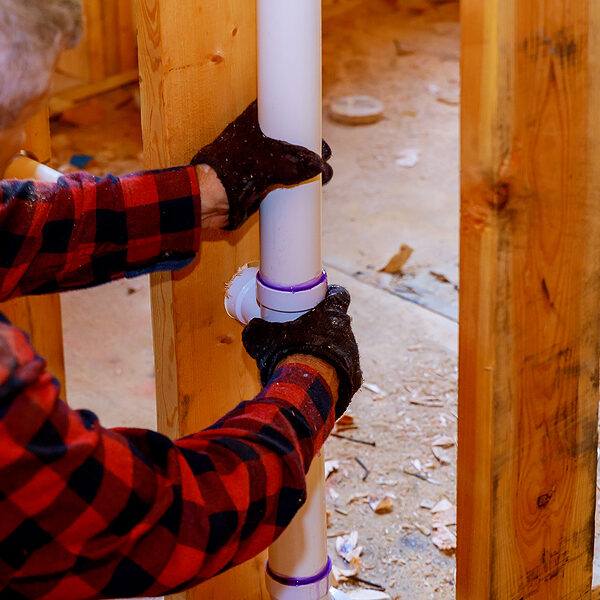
column 291, row 279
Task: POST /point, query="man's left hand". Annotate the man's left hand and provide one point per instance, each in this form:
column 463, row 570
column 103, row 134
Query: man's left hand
column 249, row 164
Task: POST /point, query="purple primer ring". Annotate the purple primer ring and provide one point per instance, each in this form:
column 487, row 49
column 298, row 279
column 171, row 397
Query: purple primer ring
column 302, row 287
column 290, row 582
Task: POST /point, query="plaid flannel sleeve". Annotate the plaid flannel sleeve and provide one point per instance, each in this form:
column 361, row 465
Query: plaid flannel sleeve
column 88, row 512
column 83, row 231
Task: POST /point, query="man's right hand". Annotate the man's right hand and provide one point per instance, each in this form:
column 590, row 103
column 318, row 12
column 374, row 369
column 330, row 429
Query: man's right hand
column 324, row 332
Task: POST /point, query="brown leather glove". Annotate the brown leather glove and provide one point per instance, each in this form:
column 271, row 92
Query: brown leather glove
column 325, row 332
column 249, row 164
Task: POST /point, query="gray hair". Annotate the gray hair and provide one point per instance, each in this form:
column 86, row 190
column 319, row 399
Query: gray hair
column 32, row 35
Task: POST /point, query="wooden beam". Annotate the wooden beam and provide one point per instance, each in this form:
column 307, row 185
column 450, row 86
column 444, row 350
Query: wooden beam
column 198, row 72
column 529, row 327
column 40, row 316
column 95, row 39
column 127, row 36
column 67, row 98
column 111, row 36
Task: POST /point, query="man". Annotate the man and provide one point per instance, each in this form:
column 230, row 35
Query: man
column 87, row 512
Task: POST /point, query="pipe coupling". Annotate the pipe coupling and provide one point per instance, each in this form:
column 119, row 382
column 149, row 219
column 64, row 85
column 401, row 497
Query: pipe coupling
column 304, row 588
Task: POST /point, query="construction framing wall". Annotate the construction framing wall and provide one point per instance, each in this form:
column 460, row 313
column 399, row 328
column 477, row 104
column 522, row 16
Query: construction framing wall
column 530, row 254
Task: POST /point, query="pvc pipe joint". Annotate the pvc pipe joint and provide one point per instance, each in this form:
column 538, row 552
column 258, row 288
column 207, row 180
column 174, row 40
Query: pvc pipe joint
column 249, row 296
column 307, row 588
column 240, row 296
column 286, row 303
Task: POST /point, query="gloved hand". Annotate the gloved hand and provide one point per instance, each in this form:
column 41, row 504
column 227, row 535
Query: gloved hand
column 249, row 164
column 325, row 332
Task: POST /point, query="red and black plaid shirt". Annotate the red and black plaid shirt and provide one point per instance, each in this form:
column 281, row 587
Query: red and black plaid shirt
column 88, row 512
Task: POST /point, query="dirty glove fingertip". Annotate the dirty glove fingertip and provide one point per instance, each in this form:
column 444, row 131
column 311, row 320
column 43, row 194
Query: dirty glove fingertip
column 327, row 171
column 338, row 297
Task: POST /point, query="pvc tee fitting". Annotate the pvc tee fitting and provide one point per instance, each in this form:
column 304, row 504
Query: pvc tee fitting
column 249, row 296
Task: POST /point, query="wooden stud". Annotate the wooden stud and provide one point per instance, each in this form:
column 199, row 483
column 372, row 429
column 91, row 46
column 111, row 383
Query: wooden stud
column 111, row 36
column 40, row 316
column 95, row 39
column 529, row 327
column 67, row 98
column 127, row 36
column 197, row 73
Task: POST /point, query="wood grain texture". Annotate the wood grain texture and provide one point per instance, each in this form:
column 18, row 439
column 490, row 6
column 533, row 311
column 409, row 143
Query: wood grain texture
column 529, row 335
column 127, row 35
column 40, row 316
column 111, row 36
column 94, row 39
column 108, row 44
column 198, row 72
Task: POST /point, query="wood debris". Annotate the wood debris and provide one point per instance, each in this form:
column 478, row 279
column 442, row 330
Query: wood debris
column 429, row 402
column 347, row 547
column 440, row 448
column 345, row 422
column 331, row 466
column 368, row 595
column 356, row 497
column 408, row 158
column 337, row 534
column 443, row 456
column 424, row 530
column 426, row 504
column 381, row 506
column 444, row 539
column 364, row 467
column 372, row 387
column 388, row 482
column 340, row 575
column 442, row 506
column 444, row 516
column 443, row 441
column 444, row 519
column 355, row 440
column 397, row 262
column 449, row 100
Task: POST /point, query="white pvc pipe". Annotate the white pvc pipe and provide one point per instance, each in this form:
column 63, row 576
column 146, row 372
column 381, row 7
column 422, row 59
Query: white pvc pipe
column 301, row 551
column 290, row 109
column 23, row 167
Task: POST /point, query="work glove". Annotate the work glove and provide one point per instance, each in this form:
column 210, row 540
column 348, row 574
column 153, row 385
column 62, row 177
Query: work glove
column 325, row 332
column 249, row 164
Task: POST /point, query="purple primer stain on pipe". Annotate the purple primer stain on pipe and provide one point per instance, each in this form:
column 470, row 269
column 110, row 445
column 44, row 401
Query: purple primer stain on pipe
column 291, row 582
column 302, row 287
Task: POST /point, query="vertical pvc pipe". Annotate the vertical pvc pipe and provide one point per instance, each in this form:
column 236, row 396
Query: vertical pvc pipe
column 290, row 97
column 290, row 109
